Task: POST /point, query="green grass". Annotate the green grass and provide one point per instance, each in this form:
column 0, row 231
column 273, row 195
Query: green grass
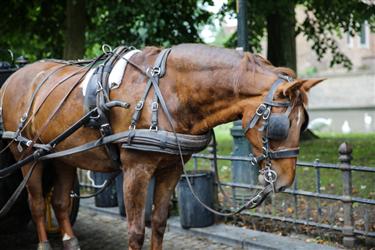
column 325, row 149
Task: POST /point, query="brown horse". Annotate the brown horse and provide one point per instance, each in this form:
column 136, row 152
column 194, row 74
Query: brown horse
column 203, row 87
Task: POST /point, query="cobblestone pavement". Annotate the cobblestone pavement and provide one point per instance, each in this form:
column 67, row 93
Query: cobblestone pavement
column 98, row 231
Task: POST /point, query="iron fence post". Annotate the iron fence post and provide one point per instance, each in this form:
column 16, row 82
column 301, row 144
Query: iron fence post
column 242, row 171
column 212, row 150
column 345, row 151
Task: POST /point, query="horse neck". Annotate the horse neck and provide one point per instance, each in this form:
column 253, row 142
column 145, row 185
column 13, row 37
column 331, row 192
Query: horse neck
column 212, row 93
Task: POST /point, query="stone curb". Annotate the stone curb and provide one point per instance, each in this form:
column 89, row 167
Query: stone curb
column 245, row 238
column 230, row 235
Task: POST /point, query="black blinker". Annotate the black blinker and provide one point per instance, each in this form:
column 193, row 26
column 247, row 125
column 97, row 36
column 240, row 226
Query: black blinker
column 278, row 127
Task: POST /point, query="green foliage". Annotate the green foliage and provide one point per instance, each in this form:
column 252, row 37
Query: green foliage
column 324, row 21
column 36, row 28
column 256, row 22
column 327, row 19
column 145, row 22
column 32, row 28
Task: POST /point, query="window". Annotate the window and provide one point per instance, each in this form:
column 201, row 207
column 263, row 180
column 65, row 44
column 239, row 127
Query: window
column 349, row 40
column 364, row 36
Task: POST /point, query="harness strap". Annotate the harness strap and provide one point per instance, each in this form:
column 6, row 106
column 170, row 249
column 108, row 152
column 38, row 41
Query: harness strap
column 284, row 153
column 5, row 209
column 154, row 74
column 142, row 139
column 139, row 106
column 159, row 69
column 102, row 98
column 30, row 158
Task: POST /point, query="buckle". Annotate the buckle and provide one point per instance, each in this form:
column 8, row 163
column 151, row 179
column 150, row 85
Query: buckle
column 155, row 71
column 104, row 129
column 104, row 126
column 139, row 105
column 100, row 87
column 132, row 127
column 28, row 143
column 261, row 108
column 23, row 118
column 154, row 128
column 154, row 106
column 285, row 77
column 19, row 147
column 266, row 113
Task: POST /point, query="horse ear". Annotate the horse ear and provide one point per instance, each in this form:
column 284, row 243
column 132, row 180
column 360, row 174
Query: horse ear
column 308, row 84
column 288, row 88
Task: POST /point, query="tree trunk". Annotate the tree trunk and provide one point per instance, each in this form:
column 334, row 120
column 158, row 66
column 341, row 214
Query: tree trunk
column 74, row 40
column 281, row 48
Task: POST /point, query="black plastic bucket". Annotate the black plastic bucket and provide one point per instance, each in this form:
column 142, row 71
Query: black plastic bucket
column 192, row 213
column 149, row 201
column 108, row 198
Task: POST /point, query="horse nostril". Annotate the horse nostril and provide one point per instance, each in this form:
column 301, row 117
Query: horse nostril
column 281, row 189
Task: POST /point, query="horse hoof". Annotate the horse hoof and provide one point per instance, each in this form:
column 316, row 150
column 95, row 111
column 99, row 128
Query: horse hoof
column 44, row 245
column 71, row 244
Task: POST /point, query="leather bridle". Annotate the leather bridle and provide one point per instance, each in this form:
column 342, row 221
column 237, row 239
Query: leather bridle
column 264, row 112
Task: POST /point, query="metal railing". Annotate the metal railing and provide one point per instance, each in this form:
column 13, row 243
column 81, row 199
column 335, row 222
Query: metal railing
column 341, row 215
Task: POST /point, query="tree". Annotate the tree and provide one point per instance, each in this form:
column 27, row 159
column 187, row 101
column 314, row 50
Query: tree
column 32, row 28
column 147, row 22
column 324, row 21
column 75, row 28
column 55, row 28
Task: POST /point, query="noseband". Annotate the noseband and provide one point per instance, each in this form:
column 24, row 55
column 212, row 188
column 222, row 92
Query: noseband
column 275, row 127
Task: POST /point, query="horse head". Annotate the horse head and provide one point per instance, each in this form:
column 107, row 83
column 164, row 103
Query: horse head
column 274, row 125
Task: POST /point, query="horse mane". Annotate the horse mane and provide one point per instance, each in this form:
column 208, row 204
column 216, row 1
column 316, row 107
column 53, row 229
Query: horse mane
column 267, row 65
column 263, row 62
column 151, row 50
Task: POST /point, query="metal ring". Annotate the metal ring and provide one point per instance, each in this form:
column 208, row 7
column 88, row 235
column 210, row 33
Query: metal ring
column 106, row 48
column 269, row 175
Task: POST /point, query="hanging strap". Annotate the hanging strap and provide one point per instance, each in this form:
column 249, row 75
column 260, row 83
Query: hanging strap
column 5, row 209
column 156, row 72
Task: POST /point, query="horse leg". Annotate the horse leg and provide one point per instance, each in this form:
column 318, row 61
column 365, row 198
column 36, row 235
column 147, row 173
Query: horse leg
column 36, row 203
column 63, row 184
column 136, row 180
column 166, row 180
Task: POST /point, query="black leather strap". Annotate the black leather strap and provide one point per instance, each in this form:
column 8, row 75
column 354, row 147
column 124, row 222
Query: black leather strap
column 5, row 209
column 284, row 153
column 139, row 106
